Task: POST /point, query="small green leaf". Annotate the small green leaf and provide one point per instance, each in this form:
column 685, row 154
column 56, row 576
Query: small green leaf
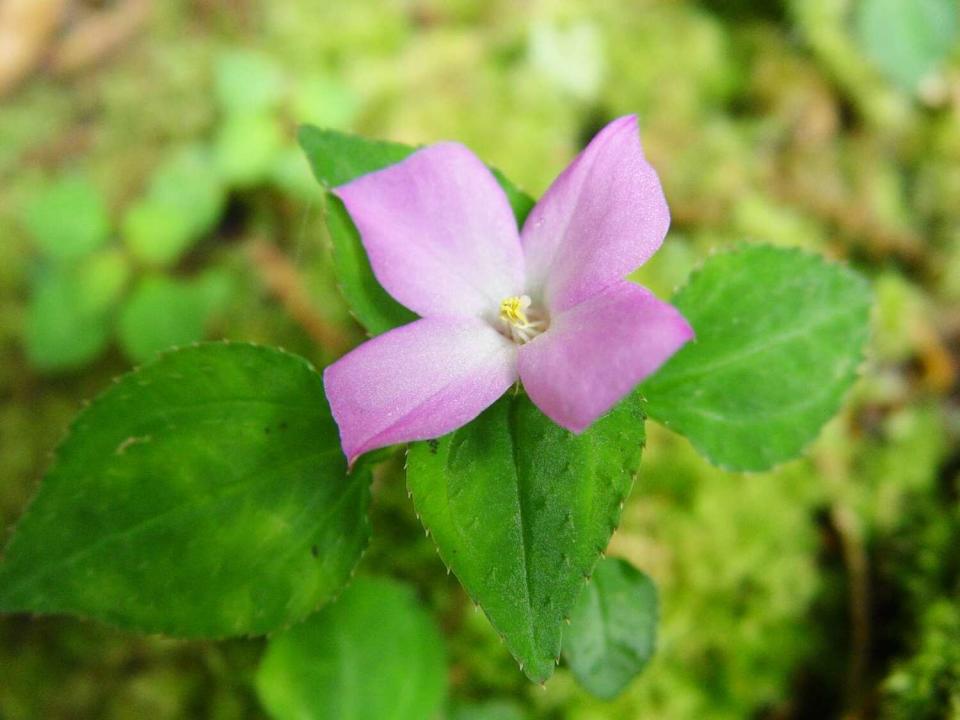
column 188, row 182
column 165, row 312
column 779, row 336
column 103, row 277
column 67, row 324
column 183, row 203
column 908, row 39
column 521, row 509
column 204, row 495
column 374, row 654
column 337, row 158
column 613, row 629
column 155, row 233
column 68, row 219
column 247, row 147
column 248, row 81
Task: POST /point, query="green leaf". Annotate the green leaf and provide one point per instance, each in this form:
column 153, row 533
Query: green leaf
column 247, row 147
column 908, row 39
column 155, row 233
column 67, row 323
column 374, row 654
column 204, row 495
column 373, row 307
column 183, row 203
column 779, row 337
column 165, row 312
column 188, row 183
column 337, row 158
column 68, row 219
column 491, row 710
column 613, row 629
column 102, row 277
column 521, row 509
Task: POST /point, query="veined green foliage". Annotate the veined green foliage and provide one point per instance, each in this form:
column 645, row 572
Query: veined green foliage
column 779, row 338
column 521, row 509
column 204, row 495
column 373, row 654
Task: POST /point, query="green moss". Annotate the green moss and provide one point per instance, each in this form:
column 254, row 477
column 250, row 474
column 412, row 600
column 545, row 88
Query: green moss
column 927, row 685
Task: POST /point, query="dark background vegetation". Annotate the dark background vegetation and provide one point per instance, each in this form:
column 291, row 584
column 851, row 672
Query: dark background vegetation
column 828, row 588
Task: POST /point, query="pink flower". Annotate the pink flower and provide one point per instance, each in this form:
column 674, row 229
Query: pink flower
column 548, row 305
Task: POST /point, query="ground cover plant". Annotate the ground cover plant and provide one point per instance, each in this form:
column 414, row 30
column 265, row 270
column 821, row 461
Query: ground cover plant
column 707, row 471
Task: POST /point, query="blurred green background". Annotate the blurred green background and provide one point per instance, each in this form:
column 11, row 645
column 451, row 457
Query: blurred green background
column 151, row 194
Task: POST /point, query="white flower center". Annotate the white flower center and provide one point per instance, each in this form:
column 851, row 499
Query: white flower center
column 520, row 320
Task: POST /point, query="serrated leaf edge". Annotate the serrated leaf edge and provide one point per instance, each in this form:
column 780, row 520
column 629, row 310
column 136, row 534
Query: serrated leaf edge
column 86, row 407
column 851, row 379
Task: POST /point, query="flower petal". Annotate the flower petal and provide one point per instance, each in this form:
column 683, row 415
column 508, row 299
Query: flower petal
column 418, row 381
column 599, row 220
column 593, row 354
column 439, row 232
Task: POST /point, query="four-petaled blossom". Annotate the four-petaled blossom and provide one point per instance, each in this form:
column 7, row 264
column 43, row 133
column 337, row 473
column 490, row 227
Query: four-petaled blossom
column 549, row 305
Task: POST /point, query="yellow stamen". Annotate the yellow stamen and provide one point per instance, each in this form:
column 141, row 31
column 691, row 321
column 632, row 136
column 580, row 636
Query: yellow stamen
column 512, row 310
column 521, row 323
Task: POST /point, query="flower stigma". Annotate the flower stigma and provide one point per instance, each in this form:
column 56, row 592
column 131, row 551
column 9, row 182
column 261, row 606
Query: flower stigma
column 519, row 321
